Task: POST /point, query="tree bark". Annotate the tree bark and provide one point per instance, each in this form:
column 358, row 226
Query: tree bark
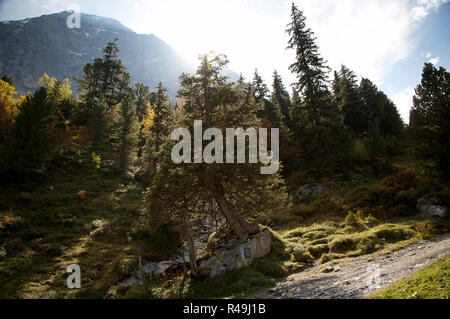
column 190, row 243
column 239, row 226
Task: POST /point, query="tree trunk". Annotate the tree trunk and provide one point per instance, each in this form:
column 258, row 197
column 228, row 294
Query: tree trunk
column 239, row 226
column 192, row 256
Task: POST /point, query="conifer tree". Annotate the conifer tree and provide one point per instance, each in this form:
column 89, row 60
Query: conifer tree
column 104, row 85
column 348, row 98
column 430, row 117
column 238, row 190
column 270, row 112
column 322, row 141
column 143, row 98
column 162, row 121
column 281, row 96
column 125, row 131
column 32, row 138
column 381, row 111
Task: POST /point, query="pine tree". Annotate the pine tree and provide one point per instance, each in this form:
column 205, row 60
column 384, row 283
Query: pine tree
column 281, row 96
column 125, row 130
column 143, row 98
column 381, row 111
column 104, row 85
column 323, row 143
column 162, row 121
column 32, row 138
column 430, row 117
column 348, row 98
column 270, row 113
column 238, row 190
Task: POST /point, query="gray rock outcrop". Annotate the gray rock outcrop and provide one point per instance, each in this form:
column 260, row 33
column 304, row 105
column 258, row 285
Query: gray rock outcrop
column 225, row 260
column 431, row 207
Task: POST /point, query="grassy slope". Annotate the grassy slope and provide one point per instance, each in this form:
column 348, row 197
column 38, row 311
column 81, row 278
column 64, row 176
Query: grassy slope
column 39, row 239
column 101, row 233
column 431, row 282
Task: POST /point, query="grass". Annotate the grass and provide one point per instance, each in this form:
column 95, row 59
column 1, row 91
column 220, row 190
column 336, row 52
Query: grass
column 90, row 218
column 58, row 227
column 431, row 282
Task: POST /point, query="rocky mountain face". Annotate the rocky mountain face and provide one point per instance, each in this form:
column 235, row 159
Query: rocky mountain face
column 30, row 47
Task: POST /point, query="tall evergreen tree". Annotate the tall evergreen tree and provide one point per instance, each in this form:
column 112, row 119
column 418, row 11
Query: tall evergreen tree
column 32, row 138
column 270, row 112
column 143, row 98
column 381, row 111
column 322, row 141
column 348, row 98
column 281, row 96
column 162, row 121
column 430, row 117
column 104, row 85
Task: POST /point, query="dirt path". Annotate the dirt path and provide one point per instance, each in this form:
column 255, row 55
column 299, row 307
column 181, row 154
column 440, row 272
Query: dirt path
column 361, row 276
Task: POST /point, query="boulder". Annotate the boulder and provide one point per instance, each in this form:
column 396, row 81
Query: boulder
column 225, row 260
column 431, row 207
column 306, row 191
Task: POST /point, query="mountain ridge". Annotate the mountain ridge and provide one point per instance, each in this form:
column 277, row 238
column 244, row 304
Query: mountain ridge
column 32, row 46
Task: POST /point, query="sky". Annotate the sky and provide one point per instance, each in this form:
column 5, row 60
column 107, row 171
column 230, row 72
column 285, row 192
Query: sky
column 387, row 41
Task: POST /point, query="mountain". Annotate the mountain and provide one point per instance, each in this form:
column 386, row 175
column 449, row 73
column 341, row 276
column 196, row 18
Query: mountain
column 30, row 47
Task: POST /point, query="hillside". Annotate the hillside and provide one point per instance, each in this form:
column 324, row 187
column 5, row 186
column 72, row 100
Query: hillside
column 30, row 47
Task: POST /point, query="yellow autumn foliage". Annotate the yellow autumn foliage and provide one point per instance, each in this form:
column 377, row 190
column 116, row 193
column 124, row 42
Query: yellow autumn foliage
column 148, row 121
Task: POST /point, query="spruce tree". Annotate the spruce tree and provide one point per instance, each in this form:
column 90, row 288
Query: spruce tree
column 104, row 85
column 430, row 118
column 270, row 112
column 322, row 141
column 162, row 122
column 348, row 98
column 143, row 98
column 32, row 139
column 281, row 96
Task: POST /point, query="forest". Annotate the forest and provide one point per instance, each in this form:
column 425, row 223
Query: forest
column 88, row 177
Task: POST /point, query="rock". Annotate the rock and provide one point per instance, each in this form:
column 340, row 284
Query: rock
column 26, row 197
column 431, row 207
column 309, row 190
column 328, row 269
column 224, row 260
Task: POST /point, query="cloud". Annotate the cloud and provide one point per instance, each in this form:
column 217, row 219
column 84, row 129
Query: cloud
column 424, row 7
column 404, row 101
column 368, row 36
column 435, row 61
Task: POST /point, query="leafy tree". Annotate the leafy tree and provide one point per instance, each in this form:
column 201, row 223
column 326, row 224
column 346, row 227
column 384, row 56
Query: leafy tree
column 430, row 117
column 322, row 141
column 9, row 108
